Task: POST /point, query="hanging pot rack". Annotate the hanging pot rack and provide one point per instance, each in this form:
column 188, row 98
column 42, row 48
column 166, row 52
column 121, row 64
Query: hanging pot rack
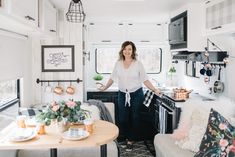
column 41, row 81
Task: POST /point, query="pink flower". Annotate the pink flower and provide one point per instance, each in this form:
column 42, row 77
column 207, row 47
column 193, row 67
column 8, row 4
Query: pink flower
column 223, row 143
column 71, row 104
column 231, row 148
column 222, row 126
column 234, row 142
column 55, row 108
column 53, row 103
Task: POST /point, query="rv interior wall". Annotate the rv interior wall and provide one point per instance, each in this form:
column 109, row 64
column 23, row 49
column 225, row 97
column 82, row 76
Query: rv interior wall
column 70, row 34
column 90, row 68
column 15, row 63
column 226, row 43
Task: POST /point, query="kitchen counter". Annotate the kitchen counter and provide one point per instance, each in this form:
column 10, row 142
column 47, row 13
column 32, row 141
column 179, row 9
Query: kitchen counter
column 195, row 98
column 111, row 89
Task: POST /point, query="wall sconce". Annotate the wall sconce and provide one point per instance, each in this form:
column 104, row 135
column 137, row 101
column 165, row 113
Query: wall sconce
column 75, row 12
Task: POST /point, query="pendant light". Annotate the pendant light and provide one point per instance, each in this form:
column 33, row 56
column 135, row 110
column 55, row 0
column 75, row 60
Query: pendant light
column 75, row 12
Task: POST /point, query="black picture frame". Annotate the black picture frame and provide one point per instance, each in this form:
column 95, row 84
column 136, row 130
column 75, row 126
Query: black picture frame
column 57, row 58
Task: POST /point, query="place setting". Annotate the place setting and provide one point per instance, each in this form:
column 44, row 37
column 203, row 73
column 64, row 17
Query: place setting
column 75, row 134
column 25, row 129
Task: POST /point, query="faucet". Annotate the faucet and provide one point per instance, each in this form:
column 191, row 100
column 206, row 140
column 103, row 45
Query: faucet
column 210, row 89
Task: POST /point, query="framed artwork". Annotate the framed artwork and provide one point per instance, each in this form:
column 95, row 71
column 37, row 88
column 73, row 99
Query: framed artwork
column 57, row 58
column 0, row 3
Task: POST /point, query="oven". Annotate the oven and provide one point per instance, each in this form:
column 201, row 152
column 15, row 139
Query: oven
column 166, row 115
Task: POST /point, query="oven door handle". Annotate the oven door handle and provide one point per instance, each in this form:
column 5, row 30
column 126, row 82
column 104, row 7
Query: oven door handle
column 170, row 111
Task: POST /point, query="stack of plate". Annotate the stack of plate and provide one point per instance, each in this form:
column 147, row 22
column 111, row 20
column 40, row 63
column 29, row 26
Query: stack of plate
column 75, row 134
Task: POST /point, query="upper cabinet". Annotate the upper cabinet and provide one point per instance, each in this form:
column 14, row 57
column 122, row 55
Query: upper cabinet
column 195, row 39
column 119, row 32
column 220, row 17
column 48, row 18
column 25, row 10
column 106, row 32
column 38, row 17
column 145, row 32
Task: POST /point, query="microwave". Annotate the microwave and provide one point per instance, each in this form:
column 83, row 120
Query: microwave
column 178, row 30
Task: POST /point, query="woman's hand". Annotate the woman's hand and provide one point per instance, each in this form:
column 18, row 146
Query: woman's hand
column 100, row 86
column 157, row 91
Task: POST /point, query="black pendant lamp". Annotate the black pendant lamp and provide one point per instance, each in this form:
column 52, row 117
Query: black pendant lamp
column 75, row 13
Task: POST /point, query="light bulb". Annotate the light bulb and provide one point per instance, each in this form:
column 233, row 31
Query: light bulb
column 226, row 60
column 206, row 54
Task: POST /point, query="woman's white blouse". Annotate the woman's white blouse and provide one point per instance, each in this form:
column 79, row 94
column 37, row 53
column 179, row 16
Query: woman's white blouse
column 129, row 79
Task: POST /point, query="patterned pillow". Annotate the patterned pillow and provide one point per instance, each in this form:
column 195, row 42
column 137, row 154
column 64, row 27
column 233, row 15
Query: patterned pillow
column 219, row 139
column 29, row 111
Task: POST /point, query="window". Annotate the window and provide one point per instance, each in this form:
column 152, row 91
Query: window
column 151, row 57
column 8, row 93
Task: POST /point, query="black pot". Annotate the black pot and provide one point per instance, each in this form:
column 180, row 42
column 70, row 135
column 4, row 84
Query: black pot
column 208, row 72
column 203, row 71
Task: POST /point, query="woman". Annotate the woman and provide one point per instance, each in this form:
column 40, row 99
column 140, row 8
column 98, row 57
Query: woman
column 130, row 74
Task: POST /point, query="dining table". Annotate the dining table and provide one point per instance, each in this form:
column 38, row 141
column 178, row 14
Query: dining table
column 103, row 133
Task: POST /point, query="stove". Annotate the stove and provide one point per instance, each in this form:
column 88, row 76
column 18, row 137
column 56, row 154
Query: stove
column 166, row 113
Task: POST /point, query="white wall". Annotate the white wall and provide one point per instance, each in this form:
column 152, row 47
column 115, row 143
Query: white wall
column 69, row 34
column 15, row 63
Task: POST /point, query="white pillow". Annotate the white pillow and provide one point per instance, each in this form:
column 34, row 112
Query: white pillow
column 199, row 121
column 95, row 113
column 199, row 112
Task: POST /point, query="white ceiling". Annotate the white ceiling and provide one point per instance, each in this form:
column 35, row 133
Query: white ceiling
column 126, row 10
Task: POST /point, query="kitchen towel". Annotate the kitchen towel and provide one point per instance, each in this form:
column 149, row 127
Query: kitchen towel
column 148, row 98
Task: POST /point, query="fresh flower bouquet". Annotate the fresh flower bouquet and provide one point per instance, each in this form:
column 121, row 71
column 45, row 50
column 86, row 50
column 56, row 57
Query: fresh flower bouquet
column 69, row 111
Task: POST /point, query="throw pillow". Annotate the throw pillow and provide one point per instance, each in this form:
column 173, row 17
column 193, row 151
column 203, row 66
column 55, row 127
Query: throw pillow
column 192, row 141
column 219, row 139
column 28, row 111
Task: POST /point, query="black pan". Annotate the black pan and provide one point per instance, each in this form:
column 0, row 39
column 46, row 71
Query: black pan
column 218, row 85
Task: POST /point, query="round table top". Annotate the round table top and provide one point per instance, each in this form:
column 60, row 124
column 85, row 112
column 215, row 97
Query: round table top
column 103, row 133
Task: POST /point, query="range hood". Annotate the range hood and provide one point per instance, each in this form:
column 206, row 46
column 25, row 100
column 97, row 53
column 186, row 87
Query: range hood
column 184, row 55
column 214, row 56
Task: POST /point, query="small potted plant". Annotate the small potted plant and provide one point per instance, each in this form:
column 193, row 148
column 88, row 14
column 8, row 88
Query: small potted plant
column 98, row 77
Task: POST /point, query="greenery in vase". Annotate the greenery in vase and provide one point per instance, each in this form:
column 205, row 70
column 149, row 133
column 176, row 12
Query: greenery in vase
column 69, row 111
column 98, row 77
column 172, row 70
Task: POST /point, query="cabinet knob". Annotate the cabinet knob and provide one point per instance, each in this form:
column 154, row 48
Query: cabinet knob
column 52, row 30
column 29, row 18
column 216, row 27
column 106, row 41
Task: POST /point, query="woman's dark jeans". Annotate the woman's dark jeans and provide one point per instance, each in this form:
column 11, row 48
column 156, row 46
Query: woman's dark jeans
column 129, row 117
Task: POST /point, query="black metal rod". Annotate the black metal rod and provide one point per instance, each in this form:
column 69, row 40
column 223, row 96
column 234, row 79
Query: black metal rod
column 77, row 80
column 53, row 152
column 103, row 150
column 215, row 64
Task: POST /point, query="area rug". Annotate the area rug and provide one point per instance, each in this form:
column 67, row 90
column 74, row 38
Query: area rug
column 140, row 149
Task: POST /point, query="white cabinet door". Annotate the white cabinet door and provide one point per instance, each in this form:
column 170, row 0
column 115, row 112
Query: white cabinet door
column 49, row 18
column 220, row 16
column 26, row 10
column 142, row 32
column 106, row 32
